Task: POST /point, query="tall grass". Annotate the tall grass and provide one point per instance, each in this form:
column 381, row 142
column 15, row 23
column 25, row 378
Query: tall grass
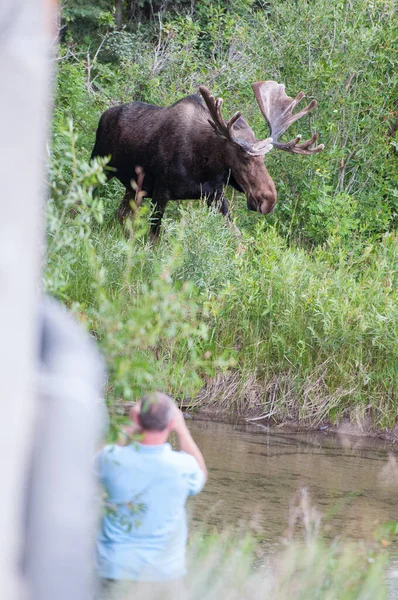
column 314, row 333
column 315, row 571
column 299, row 319
column 326, row 334
column 223, row 566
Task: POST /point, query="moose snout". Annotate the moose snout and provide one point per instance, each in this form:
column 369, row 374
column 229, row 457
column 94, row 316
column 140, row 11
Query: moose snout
column 267, row 206
column 251, row 205
column 263, row 197
column 263, row 204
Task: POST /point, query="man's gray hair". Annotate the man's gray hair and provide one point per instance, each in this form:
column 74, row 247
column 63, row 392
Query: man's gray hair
column 156, row 411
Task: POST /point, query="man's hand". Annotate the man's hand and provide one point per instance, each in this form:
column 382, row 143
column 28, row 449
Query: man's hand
column 134, row 411
column 128, row 432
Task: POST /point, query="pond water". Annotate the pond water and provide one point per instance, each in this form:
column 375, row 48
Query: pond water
column 254, row 474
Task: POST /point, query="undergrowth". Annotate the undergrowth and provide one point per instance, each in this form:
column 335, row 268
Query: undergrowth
column 228, row 565
column 296, row 333
column 298, row 319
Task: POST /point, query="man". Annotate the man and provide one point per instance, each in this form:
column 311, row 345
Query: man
column 143, row 534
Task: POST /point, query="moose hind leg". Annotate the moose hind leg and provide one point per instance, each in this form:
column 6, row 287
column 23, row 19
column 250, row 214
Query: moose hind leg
column 158, row 209
column 125, row 210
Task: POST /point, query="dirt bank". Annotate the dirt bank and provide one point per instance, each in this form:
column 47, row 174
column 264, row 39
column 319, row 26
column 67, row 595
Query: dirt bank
column 275, row 403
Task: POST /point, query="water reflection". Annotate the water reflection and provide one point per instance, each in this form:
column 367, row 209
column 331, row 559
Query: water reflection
column 254, row 474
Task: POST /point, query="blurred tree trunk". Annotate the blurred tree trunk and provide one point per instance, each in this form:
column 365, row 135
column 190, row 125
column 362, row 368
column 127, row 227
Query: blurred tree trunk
column 25, row 40
column 130, row 10
column 118, row 12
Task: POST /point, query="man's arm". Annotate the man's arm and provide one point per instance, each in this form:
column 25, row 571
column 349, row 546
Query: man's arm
column 185, row 439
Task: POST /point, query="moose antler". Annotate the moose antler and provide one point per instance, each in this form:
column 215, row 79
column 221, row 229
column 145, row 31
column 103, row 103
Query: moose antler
column 224, row 129
column 277, row 108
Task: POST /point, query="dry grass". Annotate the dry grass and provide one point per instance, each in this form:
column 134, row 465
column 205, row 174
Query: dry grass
column 276, row 400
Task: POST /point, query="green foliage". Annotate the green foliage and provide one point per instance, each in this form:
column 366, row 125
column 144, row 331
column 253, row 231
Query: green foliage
column 149, row 330
column 71, row 211
column 347, row 191
column 326, row 322
column 120, row 46
column 308, row 300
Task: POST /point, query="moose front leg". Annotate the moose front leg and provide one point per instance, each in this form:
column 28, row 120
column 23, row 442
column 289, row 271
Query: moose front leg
column 219, row 200
column 158, row 208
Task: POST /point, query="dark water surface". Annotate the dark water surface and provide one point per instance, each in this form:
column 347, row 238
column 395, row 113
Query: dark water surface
column 254, row 474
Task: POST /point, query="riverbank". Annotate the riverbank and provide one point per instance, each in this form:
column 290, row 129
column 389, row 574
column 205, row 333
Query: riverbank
column 308, row 336
column 345, row 428
column 269, row 417
column 264, row 403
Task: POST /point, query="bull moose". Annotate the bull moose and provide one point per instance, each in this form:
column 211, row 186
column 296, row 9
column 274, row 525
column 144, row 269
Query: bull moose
column 188, row 151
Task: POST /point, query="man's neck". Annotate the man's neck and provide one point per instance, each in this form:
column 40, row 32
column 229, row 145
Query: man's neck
column 154, row 438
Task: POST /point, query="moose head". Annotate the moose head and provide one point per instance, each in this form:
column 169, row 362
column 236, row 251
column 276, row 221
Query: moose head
column 244, row 154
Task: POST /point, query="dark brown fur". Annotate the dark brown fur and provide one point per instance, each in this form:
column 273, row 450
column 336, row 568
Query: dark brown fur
column 181, row 155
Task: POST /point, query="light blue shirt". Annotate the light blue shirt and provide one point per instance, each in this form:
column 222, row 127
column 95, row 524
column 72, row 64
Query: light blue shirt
column 143, row 533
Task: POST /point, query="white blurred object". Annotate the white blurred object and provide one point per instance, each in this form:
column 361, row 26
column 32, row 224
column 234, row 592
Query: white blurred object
column 60, row 500
column 24, row 100
column 48, row 427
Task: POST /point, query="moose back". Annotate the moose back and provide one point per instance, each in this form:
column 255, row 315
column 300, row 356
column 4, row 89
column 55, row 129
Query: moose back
column 188, row 151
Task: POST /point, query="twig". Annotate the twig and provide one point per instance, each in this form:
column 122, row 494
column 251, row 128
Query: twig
column 349, row 80
column 100, row 46
column 90, row 63
column 267, row 416
column 342, row 170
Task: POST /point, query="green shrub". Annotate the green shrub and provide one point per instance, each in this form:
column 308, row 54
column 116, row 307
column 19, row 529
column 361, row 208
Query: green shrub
column 326, row 322
column 306, row 305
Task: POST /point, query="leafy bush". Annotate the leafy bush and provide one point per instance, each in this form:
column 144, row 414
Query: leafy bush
column 149, row 330
column 323, row 325
column 306, row 304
